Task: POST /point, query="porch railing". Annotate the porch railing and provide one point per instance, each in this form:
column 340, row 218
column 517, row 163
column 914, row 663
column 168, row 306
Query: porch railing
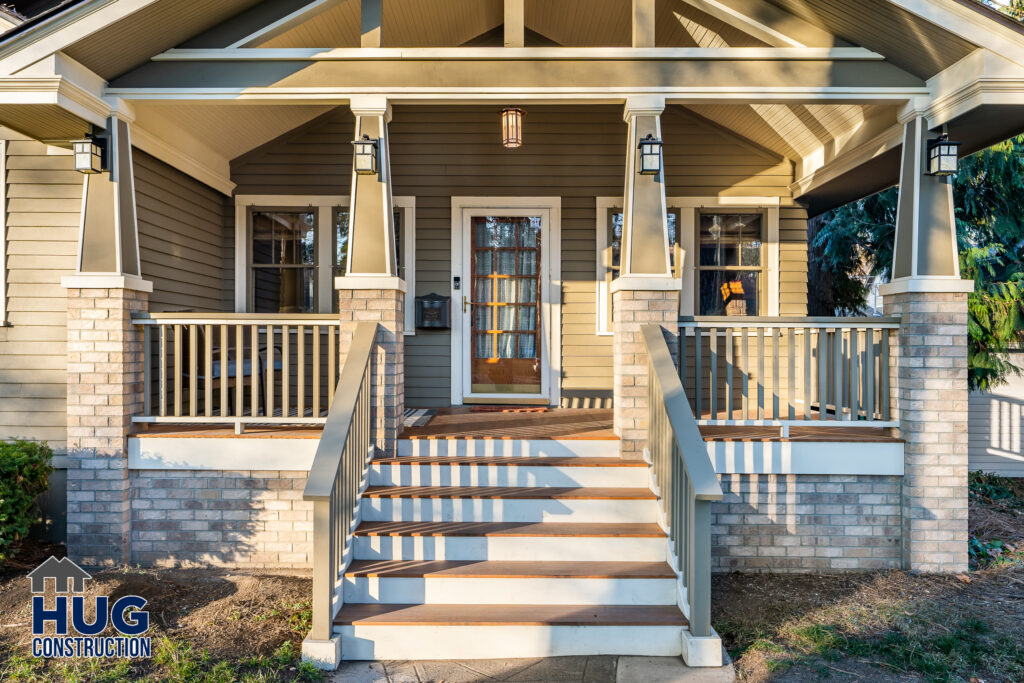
column 238, row 368
column 684, row 476
column 788, row 371
column 337, row 477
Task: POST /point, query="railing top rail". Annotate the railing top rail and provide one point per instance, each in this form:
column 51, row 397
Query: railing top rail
column 684, row 426
column 178, row 317
column 325, row 465
column 690, row 321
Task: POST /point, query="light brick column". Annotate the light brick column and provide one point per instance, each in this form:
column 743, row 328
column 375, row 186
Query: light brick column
column 631, row 309
column 929, row 370
column 104, row 391
column 386, row 307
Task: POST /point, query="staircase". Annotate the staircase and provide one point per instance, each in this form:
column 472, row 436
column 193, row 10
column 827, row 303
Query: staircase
column 484, row 548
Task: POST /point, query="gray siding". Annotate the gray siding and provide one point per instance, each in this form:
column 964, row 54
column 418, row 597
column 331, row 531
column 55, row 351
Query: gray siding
column 44, row 201
column 182, row 235
column 575, row 153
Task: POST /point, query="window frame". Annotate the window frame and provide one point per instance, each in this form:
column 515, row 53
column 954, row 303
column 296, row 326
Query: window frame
column 761, row 269
column 324, row 206
column 3, row 233
column 251, row 266
column 686, row 267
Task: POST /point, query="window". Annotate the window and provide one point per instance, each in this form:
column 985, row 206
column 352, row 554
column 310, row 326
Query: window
column 289, row 249
column 730, row 264
column 283, row 261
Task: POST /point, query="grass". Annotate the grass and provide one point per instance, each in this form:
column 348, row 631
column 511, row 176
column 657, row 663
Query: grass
column 173, row 660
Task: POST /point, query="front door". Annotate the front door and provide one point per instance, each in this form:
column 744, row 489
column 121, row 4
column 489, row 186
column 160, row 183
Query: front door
column 503, row 322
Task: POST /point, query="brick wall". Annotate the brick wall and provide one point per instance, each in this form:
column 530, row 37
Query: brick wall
column 217, row 517
column 803, row 523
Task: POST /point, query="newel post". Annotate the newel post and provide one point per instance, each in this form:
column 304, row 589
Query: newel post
column 104, row 357
column 929, row 362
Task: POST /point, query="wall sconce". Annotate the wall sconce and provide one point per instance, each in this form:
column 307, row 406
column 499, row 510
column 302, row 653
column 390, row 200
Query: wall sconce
column 943, row 156
column 512, row 127
column 650, row 155
column 89, row 154
column 365, row 155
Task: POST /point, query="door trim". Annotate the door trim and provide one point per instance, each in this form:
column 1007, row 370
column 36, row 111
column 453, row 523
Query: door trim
column 551, row 292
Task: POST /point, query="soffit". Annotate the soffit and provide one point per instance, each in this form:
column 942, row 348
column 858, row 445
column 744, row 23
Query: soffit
column 911, row 43
column 682, row 25
column 122, row 46
column 406, row 23
column 229, row 129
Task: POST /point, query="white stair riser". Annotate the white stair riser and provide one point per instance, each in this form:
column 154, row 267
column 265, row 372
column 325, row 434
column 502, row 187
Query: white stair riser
column 536, row 548
column 509, row 591
column 520, row 448
column 506, row 510
column 364, row 642
column 507, row 475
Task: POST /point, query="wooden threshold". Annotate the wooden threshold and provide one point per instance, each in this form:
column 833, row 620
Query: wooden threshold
column 504, row 615
column 493, row 569
column 508, row 529
column 511, row 492
column 556, row 423
column 498, row 460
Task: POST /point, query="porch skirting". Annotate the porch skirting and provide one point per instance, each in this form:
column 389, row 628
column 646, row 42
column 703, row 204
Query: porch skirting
column 236, row 518
column 806, row 523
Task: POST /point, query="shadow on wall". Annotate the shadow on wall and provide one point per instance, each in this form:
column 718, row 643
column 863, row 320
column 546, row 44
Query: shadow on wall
column 215, row 517
column 996, row 427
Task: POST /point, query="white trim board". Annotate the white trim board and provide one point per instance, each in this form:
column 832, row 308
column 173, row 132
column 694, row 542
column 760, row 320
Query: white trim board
column 687, row 241
column 3, row 232
column 238, row 453
column 806, row 457
column 550, row 297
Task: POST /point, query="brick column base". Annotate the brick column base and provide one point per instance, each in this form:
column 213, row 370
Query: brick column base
column 632, row 309
column 386, row 307
column 104, row 385
column 929, row 363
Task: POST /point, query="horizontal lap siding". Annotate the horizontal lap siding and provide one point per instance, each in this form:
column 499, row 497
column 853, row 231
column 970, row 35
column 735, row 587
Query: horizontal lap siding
column 996, row 427
column 182, row 231
column 576, row 153
column 44, row 200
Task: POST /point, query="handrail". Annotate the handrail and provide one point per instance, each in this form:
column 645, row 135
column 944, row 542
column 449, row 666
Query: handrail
column 275, row 318
column 336, row 476
column 686, row 481
column 874, row 322
column 684, row 425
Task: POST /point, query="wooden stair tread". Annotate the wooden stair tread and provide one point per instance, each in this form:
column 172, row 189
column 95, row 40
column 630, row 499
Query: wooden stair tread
column 499, row 460
column 510, row 569
column 520, row 615
column 581, row 529
column 511, row 492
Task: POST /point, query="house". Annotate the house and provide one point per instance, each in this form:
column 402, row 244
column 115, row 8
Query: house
column 64, row 573
column 242, row 238
column 996, row 424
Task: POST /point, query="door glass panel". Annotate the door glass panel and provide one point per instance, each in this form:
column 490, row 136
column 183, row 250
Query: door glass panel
column 506, row 265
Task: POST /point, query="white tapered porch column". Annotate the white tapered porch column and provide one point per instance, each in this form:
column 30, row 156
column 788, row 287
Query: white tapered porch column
column 371, row 290
column 929, row 362
column 645, row 290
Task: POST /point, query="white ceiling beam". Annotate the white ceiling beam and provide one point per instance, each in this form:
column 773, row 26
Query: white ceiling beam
column 285, row 23
column 643, row 23
column 764, row 21
column 371, row 23
column 515, row 23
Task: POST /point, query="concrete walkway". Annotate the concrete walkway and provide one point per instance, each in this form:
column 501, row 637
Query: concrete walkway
column 602, row 669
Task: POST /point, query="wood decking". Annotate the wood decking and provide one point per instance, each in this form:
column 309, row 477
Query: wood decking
column 557, row 423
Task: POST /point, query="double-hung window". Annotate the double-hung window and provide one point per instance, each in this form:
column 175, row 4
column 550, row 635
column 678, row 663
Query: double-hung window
column 730, row 263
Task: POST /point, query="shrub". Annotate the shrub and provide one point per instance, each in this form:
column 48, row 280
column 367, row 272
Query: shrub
column 24, row 468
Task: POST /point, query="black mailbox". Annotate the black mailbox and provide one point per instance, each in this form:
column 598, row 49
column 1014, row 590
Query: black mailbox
column 433, row 312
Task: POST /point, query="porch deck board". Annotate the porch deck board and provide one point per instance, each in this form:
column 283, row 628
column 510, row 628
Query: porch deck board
column 495, row 529
column 480, row 569
column 810, row 433
column 376, row 614
column 511, row 492
column 463, row 422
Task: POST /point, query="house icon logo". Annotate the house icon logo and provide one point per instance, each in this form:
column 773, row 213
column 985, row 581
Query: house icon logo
column 63, row 572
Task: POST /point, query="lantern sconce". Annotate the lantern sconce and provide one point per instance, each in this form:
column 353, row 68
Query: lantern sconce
column 365, row 155
column 943, row 156
column 90, row 154
column 650, row 155
column 512, row 127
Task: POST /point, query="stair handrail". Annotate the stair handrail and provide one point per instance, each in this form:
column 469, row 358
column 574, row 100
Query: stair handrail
column 686, row 481
column 336, row 477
